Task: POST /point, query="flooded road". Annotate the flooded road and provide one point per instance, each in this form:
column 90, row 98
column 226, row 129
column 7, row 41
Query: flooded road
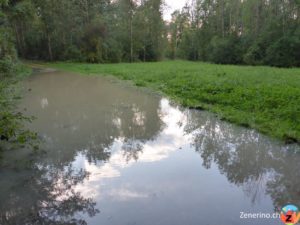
column 119, row 155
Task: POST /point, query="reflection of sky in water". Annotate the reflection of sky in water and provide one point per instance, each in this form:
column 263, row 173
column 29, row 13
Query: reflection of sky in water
column 177, row 185
column 170, row 139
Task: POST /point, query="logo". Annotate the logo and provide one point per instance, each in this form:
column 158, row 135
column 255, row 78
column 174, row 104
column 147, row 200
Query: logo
column 290, row 215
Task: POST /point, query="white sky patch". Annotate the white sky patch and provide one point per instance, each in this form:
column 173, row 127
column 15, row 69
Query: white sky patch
column 173, row 5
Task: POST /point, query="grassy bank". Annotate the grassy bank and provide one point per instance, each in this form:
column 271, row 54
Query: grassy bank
column 264, row 98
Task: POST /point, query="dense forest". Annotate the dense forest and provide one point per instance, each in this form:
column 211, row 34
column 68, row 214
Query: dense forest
column 251, row 32
column 94, row 31
column 255, row 32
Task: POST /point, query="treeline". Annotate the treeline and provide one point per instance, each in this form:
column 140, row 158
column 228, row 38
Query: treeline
column 253, row 32
column 96, row 31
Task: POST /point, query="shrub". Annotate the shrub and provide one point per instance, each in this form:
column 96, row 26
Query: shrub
column 6, row 67
column 72, row 53
column 285, row 52
column 225, row 50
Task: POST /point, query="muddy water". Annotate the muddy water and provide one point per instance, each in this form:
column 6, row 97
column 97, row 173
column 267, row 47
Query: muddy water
column 118, row 155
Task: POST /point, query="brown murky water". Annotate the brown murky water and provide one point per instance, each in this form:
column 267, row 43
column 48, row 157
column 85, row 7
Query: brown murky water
column 119, row 155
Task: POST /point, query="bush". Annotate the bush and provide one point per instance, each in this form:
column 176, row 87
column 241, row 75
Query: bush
column 8, row 55
column 6, row 67
column 112, row 51
column 285, row 52
column 225, row 50
column 92, row 43
column 254, row 55
column 12, row 129
column 72, row 53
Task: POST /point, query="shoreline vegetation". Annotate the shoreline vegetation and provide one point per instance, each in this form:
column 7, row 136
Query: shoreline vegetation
column 263, row 98
column 13, row 132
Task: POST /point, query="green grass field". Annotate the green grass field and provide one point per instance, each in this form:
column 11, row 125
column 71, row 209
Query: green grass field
column 264, row 98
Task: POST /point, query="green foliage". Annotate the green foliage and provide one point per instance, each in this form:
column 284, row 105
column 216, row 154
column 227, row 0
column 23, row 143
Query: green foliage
column 73, row 53
column 112, row 51
column 6, row 66
column 91, row 31
column 93, row 43
column 254, row 32
column 285, row 52
column 263, row 98
column 187, row 47
column 12, row 130
column 11, row 127
column 12, row 123
column 255, row 54
column 225, row 50
column 3, row 2
column 7, row 52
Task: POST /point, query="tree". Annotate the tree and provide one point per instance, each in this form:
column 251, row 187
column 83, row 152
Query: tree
column 250, row 31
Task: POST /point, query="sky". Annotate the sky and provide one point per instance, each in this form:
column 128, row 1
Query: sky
column 172, row 6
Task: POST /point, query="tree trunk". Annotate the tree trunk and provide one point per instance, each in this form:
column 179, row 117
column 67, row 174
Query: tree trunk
column 131, row 41
column 222, row 16
column 87, row 12
column 19, row 47
column 49, row 48
column 23, row 43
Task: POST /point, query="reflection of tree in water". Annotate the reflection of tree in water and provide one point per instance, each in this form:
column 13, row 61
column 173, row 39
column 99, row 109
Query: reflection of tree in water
column 284, row 187
column 247, row 158
column 134, row 124
column 131, row 150
column 43, row 195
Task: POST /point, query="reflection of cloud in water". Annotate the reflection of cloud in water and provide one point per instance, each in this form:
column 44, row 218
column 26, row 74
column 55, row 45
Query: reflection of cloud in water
column 170, row 139
column 138, row 117
column 44, row 103
column 117, row 122
column 123, row 194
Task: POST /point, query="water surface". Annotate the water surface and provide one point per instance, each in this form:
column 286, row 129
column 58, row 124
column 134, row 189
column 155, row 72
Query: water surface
column 119, row 155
